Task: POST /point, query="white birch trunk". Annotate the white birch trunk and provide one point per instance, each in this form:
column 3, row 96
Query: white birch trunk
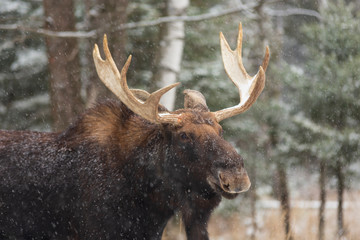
column 171, row 50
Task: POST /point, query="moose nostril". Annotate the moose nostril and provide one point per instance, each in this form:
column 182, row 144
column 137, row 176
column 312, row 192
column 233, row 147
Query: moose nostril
column 224, row 182
column 226, row 186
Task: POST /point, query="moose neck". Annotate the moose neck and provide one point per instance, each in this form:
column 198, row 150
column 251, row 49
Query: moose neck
column 123, row 144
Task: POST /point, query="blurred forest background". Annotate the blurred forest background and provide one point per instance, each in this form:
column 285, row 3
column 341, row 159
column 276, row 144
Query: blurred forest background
column 301, row 138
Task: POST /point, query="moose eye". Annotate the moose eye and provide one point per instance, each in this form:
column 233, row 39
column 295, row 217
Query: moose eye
column 184, row 136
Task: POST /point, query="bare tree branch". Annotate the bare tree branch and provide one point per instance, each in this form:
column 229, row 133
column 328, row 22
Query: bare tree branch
column 293, row 11
column 131, row 25
column 49, row 33
column 161, row 20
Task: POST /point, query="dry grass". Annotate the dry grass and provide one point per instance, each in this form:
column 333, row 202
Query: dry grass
column 304, row 224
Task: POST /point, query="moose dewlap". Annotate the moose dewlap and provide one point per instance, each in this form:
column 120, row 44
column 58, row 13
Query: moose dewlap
column 125, row 167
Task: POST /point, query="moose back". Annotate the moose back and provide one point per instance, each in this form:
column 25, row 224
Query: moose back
column 125, row 167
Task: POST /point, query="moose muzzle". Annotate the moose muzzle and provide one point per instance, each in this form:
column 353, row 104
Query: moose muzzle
column 234, row 181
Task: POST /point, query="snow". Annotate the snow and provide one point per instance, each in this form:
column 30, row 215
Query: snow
column 6, row 45
column 29, row 58
column 2, row 109
column 29, row 102
column 14, row 6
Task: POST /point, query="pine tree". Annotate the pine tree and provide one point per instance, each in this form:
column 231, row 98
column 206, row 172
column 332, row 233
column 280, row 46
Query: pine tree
column 329, row 106
column 24, row 102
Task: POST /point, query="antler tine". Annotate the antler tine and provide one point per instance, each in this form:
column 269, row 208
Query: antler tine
column 249, row 87
column 117, row 83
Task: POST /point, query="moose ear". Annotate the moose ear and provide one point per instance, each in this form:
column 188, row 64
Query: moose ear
column 195, row 100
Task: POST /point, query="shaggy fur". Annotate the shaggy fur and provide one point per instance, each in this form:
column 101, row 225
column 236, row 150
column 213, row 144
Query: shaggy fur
column 112, row 175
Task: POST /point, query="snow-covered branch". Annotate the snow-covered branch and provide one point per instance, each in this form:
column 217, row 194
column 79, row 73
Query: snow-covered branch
column 325, row 131
column 131, row 25
column 49, row 33
column 314, row 127
column 293, row 11
column 161, row 20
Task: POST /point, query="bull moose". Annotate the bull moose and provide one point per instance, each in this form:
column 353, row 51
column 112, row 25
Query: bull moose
column 125, row 167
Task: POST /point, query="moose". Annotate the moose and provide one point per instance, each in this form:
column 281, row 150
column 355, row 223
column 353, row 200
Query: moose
column 124, row 168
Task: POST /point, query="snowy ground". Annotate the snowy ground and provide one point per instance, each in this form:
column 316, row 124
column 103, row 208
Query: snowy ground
column 306, row 204
column 304, row 218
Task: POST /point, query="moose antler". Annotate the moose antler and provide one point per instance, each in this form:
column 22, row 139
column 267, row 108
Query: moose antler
column 249, row 87
column 116, row 82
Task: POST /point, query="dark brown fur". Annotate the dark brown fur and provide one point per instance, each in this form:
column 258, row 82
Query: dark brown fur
column 113, row 175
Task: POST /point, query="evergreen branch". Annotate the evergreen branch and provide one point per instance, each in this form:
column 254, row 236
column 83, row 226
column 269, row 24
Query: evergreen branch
column 325, row 131
column 314, row 127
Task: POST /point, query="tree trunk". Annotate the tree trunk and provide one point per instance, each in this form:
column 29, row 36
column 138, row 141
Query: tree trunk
column 340, row 191
column 281, row 187
column 64, row 65
column 171, row 50
column 253, row 199
column 104, row 15
column 322, row 186
column 284, row 200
